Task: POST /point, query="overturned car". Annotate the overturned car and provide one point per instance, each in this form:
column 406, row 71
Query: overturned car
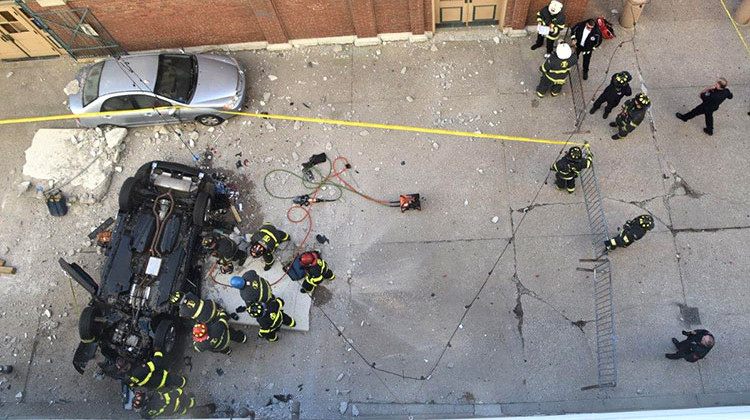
column 151, row 254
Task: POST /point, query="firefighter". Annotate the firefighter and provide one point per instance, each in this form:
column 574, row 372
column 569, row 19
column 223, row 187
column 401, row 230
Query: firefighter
column 612, row 94
column 555, row 71
column 195, row 308
column 270, row 316
column 549, row 16
column 253, row 289
column 633, row 112
column 316, row 270
column 567, row 168
column 215, row 336
column 586, row 38
column 265, row 241
column 226, row 250
column 174, row 402
column 632, row 231
column 152, row 374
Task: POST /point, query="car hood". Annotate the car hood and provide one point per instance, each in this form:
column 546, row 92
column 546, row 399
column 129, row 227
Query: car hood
column 218, row 81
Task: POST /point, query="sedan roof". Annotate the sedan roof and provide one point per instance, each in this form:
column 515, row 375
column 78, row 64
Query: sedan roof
column 131, row 73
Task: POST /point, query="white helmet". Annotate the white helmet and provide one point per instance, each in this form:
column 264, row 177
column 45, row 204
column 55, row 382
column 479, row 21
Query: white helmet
column 563, row 51
column 555, row 7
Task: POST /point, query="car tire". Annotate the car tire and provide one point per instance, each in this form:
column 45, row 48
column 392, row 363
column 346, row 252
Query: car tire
column 165, row 335
column 128, row 194
column 209, row 120
column 201, row 208
column 87, row 327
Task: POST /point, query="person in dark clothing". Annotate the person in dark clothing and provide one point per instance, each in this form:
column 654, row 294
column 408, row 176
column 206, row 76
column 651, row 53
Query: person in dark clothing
column 195, row 308
column 555, row 71
column 253, row 289
column 216, row 335
column 316, row 270
column 567, row 168
column 265, row 241
column 632, row 231
column 711, row 98
column 695, row 347
column 632, row 114
column 226, row 250
column 271, row 317
column 152, row 374
column 174, row 402
column 618, row 87
column 586, row 38
column 550, row 21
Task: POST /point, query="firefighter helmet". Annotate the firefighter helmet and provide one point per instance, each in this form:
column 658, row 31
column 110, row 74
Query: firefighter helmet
column 209, row 242
column 555, row 7
column 237, row 282
column 623, row 77
column 646, row 221
column 563, row 51
column 257, row 309
column 575, row 153
column 200, row 332
column 642, row 99
column 308, row 259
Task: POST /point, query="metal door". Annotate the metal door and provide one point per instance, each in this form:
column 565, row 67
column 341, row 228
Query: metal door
column 20, row 38
column 469, row 12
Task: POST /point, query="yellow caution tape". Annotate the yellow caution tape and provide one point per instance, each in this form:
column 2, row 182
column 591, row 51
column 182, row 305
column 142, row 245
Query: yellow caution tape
column 302, row 119
column 731, row 19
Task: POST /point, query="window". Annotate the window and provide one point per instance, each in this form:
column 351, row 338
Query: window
column 91, row 84
column 118, row 103
column 176, row 77
column 147, row 101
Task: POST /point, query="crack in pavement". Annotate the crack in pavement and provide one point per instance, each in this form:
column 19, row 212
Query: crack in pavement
column 533, row 206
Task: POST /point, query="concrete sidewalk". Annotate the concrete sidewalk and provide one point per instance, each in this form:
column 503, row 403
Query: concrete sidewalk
column 443, row 311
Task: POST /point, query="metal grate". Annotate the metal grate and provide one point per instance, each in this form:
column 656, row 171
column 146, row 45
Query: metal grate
column 76, row 30
column 606, row 343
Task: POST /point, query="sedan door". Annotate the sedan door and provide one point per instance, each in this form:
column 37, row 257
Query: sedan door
column 144, row 102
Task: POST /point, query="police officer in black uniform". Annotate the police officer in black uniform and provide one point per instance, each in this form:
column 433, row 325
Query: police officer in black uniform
column 271, row 317
column 555, row 71
column 711, row 98
column 265, row 241
column 586, row 38
column 567, row 168
column 632, row 231
column 316, row 270
column 618, row 87
column 226, row 250
column 695, row 347
column 550, row 16
column 215, row 336
column 633, row 112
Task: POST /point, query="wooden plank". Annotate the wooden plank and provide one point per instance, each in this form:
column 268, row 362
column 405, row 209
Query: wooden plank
column 236, row 214
column 7, row 270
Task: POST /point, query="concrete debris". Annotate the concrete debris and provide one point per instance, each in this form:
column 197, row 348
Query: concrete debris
column 47, row 313
column 466, row 203
column 270, row 127
column 409, row 99
column 435, row 145
column 451, row 365
column 364, row 133
column 272, row 78
column 338, row 378
column 297, row 126
column 295, row 156
column 23, row 187
column 337, row 48
column 269, row 159
column 433, row 48
column 329, row 146
column 355, row 410
column 72, row 87
column 495, row 219
column 266, row 96
column 118, row 168
column 115, row 136
column 496, row 39
column 7, row 76
column 403, row 70
column 19, row 397
column 194, row 135
column 343, row 406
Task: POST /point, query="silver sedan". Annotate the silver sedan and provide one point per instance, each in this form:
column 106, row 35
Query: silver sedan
column 196, row 87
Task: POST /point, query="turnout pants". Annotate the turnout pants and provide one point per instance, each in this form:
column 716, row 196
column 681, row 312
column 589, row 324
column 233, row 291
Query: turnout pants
column 610, row 104
column 708, row 113
column 545, row 84
column 550, row 43
column 273, row 334
column 567, row 183
column 309, row 285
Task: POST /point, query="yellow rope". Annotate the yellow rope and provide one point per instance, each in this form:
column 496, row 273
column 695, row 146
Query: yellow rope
column 731, row 19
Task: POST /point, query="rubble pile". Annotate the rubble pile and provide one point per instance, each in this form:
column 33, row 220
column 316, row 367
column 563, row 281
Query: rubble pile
column 79, row 161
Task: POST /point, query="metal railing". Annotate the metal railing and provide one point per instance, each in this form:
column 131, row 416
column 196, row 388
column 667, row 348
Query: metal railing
column 576, row 87
column 606, row 340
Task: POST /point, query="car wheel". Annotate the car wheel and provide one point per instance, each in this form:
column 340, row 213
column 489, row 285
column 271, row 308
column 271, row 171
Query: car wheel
column 209, row 120
column 165, row 335
column 87, row 328
column 128, row 194
column 201, row 208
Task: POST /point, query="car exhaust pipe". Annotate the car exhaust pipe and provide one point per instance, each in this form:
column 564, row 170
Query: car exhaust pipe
column 80, row 276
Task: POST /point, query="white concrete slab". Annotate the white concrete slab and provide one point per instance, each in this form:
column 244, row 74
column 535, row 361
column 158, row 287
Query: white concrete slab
column 296, row 304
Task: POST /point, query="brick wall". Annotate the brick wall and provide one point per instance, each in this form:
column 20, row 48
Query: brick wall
column 315, row 18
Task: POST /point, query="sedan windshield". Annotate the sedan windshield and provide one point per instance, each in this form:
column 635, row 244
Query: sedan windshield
column 176, row 77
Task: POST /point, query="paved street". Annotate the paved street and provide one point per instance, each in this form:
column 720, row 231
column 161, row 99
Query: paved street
column 441, row 312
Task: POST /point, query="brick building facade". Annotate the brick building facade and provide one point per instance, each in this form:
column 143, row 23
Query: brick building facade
column 155, row 24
